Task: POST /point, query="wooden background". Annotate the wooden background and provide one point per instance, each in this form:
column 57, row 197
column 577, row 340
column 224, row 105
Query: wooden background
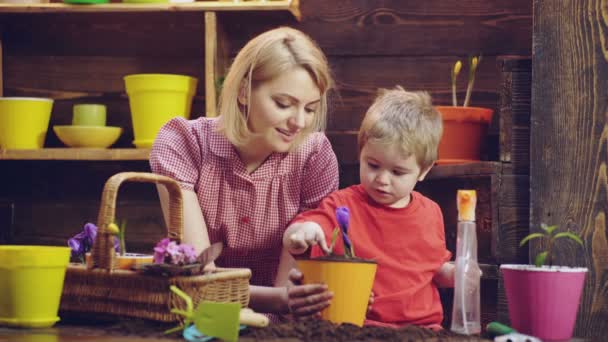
column 569, row 142
column 81, row 58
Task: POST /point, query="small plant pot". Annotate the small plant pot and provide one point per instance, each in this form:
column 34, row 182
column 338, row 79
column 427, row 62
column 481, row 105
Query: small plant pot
column 351, row 282
column 155, row 99
column 31, row 280
column 464, row 129
column 128, row 261
column 543, row 301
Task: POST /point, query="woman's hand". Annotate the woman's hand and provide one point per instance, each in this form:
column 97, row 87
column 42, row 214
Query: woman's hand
column 305, row 300
column 300, row 236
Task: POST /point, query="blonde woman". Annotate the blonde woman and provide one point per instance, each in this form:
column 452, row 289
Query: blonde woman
column 248, row 173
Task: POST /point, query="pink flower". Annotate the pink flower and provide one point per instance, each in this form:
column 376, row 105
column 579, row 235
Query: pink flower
column 170, row 252
column 188, row 253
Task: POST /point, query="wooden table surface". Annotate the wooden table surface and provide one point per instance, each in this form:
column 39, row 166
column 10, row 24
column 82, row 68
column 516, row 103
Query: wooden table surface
column 68, row 333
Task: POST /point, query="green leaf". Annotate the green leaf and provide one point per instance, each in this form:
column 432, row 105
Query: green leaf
column 334, row 237
column 569, row 235
column 530, row 237
column 548, row 229
column 540, row 259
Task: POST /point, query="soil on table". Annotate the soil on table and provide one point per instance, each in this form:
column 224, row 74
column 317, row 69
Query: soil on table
column 319, row 331
column 341, row 258
column 309, row 330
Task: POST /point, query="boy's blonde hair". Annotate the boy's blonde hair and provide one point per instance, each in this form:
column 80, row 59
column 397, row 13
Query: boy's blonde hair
column 263, row 58
column 407, row 119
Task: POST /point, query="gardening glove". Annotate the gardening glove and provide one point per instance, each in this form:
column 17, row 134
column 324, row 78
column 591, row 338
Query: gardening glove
column 299, row 236
column 305, row 300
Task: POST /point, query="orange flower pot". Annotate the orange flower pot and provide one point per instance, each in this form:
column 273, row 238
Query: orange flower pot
column 464, row 129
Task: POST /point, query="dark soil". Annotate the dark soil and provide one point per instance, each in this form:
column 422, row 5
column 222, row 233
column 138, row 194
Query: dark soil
column 319, row 331
column 312, row 330
column 341, row 258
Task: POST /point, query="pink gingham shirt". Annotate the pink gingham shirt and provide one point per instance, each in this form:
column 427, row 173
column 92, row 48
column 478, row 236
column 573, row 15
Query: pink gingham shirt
column 247, row 212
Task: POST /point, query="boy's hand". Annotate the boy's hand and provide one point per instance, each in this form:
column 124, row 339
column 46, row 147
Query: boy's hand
column 299, row 236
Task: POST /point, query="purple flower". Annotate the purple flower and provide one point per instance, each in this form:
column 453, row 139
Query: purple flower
column 159, row 250
column 170, row 252
column 343, row 216
column 116, row 244
column 188, row 252
column 82, row 242
column 76, row 247
column 89, row 233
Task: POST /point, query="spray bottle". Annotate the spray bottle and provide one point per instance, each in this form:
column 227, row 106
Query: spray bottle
column 466, row 308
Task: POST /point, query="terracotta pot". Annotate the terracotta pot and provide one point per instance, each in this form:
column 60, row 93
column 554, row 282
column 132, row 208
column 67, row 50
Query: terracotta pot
column 464, row 129
column 128, row 261
column 350, row 280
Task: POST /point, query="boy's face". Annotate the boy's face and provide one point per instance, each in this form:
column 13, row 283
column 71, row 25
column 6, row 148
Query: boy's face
column 387, row 176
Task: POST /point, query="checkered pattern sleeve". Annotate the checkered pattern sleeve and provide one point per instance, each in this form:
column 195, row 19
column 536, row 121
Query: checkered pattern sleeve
column 176, row 152
column 320, row 177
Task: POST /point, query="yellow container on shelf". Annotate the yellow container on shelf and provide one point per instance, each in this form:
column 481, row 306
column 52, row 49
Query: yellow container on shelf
column 24, row 122
column 31, row 282
column 155, row 99
column 351, row 282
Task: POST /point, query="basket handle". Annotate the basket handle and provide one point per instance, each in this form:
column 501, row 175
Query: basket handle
column 102, row 253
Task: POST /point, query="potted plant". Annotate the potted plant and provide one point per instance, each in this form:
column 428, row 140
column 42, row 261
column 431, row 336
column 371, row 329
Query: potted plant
column 82, row 243
column 543, row 299
column 348, row 277
column 464, row 127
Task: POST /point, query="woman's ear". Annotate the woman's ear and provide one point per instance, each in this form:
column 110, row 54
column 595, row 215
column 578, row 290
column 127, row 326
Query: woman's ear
column 243, row 98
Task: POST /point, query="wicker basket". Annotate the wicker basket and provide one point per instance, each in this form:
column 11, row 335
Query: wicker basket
column 106, row 291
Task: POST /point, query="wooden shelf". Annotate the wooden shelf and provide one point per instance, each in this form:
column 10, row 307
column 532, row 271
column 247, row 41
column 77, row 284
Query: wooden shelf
column 468, row 169
column 77, row 154
column 198, row 6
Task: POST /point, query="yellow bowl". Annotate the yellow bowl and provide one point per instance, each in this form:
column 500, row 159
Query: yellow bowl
column 24, row 122
column 31, row 282
column 88, row 136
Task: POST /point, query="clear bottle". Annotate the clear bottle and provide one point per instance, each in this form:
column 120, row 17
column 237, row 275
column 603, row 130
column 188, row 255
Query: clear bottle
column 466, row 307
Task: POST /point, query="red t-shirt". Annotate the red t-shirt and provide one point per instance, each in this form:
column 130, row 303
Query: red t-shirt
column 407, row 243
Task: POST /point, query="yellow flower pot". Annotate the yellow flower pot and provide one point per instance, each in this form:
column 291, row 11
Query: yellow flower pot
column 351, row 282
column 31, row 282
column 155, row 99
column 24, row 122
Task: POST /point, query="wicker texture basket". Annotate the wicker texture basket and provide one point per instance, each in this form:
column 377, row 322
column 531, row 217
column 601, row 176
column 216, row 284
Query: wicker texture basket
column 103, row 290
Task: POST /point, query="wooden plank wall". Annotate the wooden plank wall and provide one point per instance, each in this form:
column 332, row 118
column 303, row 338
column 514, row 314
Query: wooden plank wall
column 568, row 143
column 78, row 58
column 82, row 57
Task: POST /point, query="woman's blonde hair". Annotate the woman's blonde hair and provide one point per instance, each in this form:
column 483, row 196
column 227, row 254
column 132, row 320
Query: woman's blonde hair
column 407, row 119
column 263, row 58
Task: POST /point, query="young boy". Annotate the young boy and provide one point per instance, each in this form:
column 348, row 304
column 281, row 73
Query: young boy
column 390, row 222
